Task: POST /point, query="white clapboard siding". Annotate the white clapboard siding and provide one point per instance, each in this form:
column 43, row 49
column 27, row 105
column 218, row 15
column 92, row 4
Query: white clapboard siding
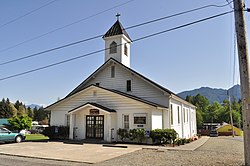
column 123, row 105
column 186, row 128
column 140, row 87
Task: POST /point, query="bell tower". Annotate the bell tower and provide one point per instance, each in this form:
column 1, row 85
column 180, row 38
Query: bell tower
column 117, row 43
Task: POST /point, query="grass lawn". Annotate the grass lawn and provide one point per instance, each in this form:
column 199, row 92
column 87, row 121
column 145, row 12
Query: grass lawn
column 31, row 137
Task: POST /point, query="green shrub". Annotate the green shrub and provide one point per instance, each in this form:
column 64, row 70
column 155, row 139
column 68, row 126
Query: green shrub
column 138, row 134
column 57, row 132
column 188, row 140
column 183, row 141
column 19, row 123
column 123, row 134
column 178, row 141
column 163, row 136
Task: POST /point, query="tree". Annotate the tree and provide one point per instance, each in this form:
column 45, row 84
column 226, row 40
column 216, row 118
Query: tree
column 202, row 104
column 199, row 118
column 212, row 112
column 13, row 110
column 30, row 112
column 40, row 114
column 6, row 109
column 21, row 110
column 19, row 123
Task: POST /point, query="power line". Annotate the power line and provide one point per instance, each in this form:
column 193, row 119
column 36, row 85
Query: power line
column 101, row 50
column 30, row 12
column 185, row 25
column 229, row 3
column 65, row 26
column 49, row 50
column 91, row 38
column 178, row 14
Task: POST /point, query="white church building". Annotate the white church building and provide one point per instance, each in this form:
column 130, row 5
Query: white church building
column 115, row 96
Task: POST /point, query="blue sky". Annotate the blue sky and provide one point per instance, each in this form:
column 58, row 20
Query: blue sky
column 192, row 57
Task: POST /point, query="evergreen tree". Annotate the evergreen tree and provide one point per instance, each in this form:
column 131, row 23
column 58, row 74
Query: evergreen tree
column 21, row 111
column 30, row 112
column 40, row 114
column 6, row 109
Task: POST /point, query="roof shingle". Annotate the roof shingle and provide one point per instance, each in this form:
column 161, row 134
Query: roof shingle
column 116, row 29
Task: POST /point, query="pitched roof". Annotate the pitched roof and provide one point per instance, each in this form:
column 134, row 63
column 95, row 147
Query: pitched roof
column 116, row 29
column 93, row 104
column 81, row 86
column 113, row 91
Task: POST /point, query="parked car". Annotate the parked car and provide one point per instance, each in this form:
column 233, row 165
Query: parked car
column 8, row 136
column 213, row 133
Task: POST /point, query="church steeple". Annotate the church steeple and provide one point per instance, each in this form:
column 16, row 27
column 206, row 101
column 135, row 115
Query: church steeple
column 118, row 42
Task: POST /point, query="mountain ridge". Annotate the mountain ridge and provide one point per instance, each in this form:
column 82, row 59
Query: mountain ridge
column 214, row 94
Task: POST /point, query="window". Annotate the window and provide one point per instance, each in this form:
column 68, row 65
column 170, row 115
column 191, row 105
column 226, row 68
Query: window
column 67, row 119
column 140, row 118
column 125, row 50
column 178, row 114
column 113, row 48
column 129, row 85
column 112, row 71
column 184, row 116
column 171, row 114
column 4, row 131
column 187, row 115
column 126, row 121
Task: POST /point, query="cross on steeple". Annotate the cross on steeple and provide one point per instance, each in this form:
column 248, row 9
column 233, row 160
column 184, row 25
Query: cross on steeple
column 117, row 16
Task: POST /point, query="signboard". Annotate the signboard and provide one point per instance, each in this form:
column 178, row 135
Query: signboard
column 94, row 112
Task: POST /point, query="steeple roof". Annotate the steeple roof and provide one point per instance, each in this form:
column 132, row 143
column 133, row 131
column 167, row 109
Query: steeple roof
column 116, row 29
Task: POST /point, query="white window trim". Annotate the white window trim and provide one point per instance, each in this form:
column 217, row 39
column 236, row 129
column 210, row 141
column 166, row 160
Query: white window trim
column 123, row 121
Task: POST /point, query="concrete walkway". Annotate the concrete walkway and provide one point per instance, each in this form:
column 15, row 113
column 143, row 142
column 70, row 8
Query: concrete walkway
column 190, row 146
column 87, row 153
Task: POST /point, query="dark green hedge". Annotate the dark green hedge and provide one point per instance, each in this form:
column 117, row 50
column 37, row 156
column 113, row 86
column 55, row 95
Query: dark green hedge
column 57, row 132
column 163, row 136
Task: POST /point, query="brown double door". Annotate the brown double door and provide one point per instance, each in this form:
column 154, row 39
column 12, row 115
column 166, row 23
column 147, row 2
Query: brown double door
column 94, row 126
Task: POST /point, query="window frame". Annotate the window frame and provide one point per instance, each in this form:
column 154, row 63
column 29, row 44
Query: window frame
column 184, row 115
column 112, row 72
column 171, row 115
column 125, row 50
column 129, row 85
column 67, row 120
column 113, row 48
column 178, row 111
column 126, row 121
column 139, row 117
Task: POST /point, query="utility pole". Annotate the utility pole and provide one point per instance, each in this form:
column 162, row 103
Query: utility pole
column 244, row 74
column 231, row 113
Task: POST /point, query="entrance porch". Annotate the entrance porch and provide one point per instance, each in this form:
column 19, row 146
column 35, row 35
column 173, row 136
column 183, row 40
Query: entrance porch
column 92, row 121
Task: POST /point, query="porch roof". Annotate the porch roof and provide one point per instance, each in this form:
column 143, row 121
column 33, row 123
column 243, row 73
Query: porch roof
column 94, row 105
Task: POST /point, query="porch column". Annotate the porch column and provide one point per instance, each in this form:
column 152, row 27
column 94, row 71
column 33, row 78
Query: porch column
column 109, row 127
column 71, row 127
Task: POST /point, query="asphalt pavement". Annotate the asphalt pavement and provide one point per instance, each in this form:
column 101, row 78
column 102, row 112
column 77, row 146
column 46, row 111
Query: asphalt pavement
column 85, row 153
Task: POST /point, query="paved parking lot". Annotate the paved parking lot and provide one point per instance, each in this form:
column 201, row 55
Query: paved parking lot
column 89, row 153
column 86, row 153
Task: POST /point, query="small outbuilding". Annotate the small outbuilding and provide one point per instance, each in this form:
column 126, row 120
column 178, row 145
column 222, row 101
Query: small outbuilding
column 226, row 130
